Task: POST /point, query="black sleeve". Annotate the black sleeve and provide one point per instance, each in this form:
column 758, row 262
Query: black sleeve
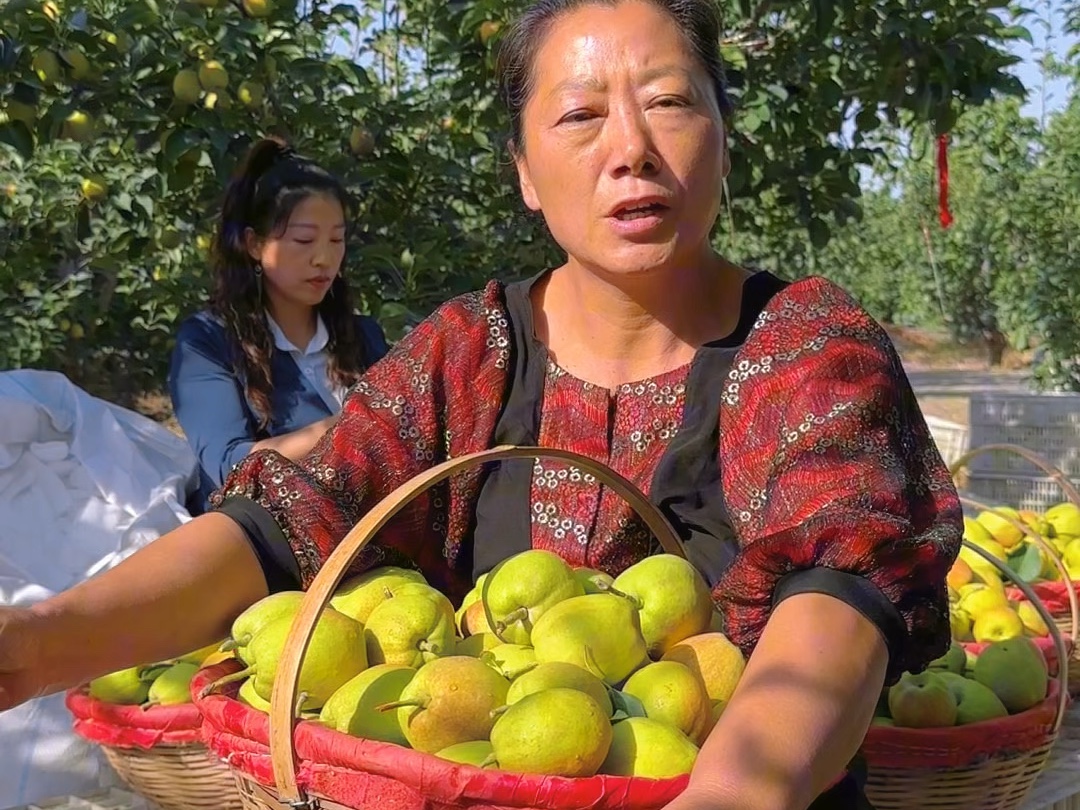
column 276, row 557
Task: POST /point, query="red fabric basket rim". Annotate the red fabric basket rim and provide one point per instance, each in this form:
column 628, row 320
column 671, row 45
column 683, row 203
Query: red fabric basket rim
column 132, row 726
column 963, row 746
column 240, row 735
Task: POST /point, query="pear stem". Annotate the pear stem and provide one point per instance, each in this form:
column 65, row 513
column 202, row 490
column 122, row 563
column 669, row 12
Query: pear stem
column 489, row 761
column 398, row 704
column 635, row 601
column 298, row 708
column 513, row 617
column 515, row 673
column 498, row 711
column 228, row 645
column 231, row 678
column 426, row 646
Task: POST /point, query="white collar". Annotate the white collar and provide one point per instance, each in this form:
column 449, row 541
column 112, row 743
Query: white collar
column 317, row 344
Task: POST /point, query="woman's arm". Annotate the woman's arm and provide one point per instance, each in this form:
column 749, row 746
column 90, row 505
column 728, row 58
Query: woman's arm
column 294, row 446
column 800, row 713
column 208, row 400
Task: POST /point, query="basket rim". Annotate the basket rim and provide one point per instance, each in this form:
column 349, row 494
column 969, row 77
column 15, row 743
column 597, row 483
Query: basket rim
column 133, row 726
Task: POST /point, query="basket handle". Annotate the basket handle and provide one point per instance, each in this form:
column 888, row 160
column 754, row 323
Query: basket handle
column 1070, row 587
column 283, row 698
column 1057, row 475
column 1055, row 633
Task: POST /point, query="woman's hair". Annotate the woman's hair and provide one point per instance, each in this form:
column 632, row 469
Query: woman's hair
column 698, row 20
column 262, row 194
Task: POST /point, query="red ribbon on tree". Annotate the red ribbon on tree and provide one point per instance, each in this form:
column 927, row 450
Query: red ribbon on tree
column 944, row 214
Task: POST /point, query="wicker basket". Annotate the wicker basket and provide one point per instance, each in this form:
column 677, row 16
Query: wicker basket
column 1067, row 620
column 990, row 765
column 280, row 764
column 157, row 752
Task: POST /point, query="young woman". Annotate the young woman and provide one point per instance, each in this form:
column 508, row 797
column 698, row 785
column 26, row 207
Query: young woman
column 772, row 422
column 267, row 364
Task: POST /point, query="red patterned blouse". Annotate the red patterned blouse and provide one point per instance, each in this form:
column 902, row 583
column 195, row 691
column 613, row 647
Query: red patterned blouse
column 825, row 472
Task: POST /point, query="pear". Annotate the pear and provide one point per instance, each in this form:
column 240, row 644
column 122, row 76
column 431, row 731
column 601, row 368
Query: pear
column 599, row 632
column 558, row 674
column 335, row 653
column 593, row 581
column 409, row 631
column 670, row 693
column 476, row 645
column 471, row 598
column 974, row 702
column 473, row 620
column 510, row 660
column 358, row 596
column 716, row 660
column 262, row 613
column 352, row 709
column 173, row 686
column 641, row 746
column 519, row 590
column 124, row 687
column 449, row 701
column 1015, row 670
column 922, row 701
column 248, row 695
column 954, row 660
column 558, row 732
column 474, row 752
column 673, row 599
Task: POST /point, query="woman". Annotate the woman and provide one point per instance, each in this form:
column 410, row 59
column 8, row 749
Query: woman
column 267, row 365
column 772, row 423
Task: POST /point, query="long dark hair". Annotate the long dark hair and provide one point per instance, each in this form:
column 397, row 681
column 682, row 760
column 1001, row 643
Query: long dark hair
column 262, row 194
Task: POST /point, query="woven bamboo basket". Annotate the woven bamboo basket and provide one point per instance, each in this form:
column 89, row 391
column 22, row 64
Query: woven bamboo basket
column 990, row 765
column 1067, row 619
column 157, row 752
column 279, row 763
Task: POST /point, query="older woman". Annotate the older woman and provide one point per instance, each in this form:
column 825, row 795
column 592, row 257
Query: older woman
column 771, row 422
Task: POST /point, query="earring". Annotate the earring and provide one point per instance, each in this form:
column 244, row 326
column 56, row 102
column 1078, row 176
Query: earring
column 259, row 279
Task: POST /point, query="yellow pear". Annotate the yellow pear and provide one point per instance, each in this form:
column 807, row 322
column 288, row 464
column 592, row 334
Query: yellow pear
column 470, row 599
column 672, row 597
column 476, row 645
column 960, row 574
column 979, row 600
column 78, row 126
column 593, row 581
column 474, row 752
column 648, row 748
column 358, row 595
column 1071, row 556
column 185, row 86
column 519, row 590
column 78, row 63
column 46, row 67
column 672, row 694
column 93, row 188
column 997, row 624
column 1005, row 533
column 251, row 94
column 124, row 687
column 510, row 660
column 409, row 631
column 173, row 686
column 922, row 701
column 1065, row 518
column 248, row 695
column 559, row 674
column 353, row 708
column 213, row 76
column 1033, row 622
column 714, row 659
column 960, row 624
column 258, row 615
column 257, row 8
column 556, row 731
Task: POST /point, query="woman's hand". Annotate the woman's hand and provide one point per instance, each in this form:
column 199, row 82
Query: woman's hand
column 294, row 446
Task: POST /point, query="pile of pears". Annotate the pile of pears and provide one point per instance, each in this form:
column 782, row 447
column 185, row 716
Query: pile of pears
column 961, row 687
column 543, row 668
column 163, row 683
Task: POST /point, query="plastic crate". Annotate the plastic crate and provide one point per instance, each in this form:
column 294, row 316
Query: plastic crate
column 1034, row 492
column 113, row 799
column 951, row 438
column 1047, row 424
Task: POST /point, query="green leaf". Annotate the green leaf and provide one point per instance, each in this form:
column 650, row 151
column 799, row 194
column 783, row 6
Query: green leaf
column 819, row 233
column 16, row 135
column 1017, row 32
column 625, row 705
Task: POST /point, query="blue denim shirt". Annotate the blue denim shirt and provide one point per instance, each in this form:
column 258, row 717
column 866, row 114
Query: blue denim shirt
column 209, row 403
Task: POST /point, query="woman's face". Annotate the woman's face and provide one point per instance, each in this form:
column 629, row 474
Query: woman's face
column 300, row 262
column 623, row 145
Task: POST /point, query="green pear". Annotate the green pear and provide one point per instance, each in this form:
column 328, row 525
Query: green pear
column 974, row 702
column 1015, row 670
column 599, row 632
column 352, row 709
column 421, row 589
column 357, row 596
column 335, row 653
column 473, row 620
column 409, row 631
column 955, row 660
column 248, row 695
column 672, row 596
column 558, row 732
column 474, row 752
column 922, row 701
column 510, row 660
column 473, row 597
column 593, row 581
column 644, row 747
column 124, row 687
column 558, row 674
column 173, row 686
column 882, row 721
column 670, row 693
column 262, row 613
column 519, row 590
column 449, row 701
column 476, row 645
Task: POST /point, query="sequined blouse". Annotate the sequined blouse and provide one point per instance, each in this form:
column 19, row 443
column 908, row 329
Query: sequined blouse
column 789, row 457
